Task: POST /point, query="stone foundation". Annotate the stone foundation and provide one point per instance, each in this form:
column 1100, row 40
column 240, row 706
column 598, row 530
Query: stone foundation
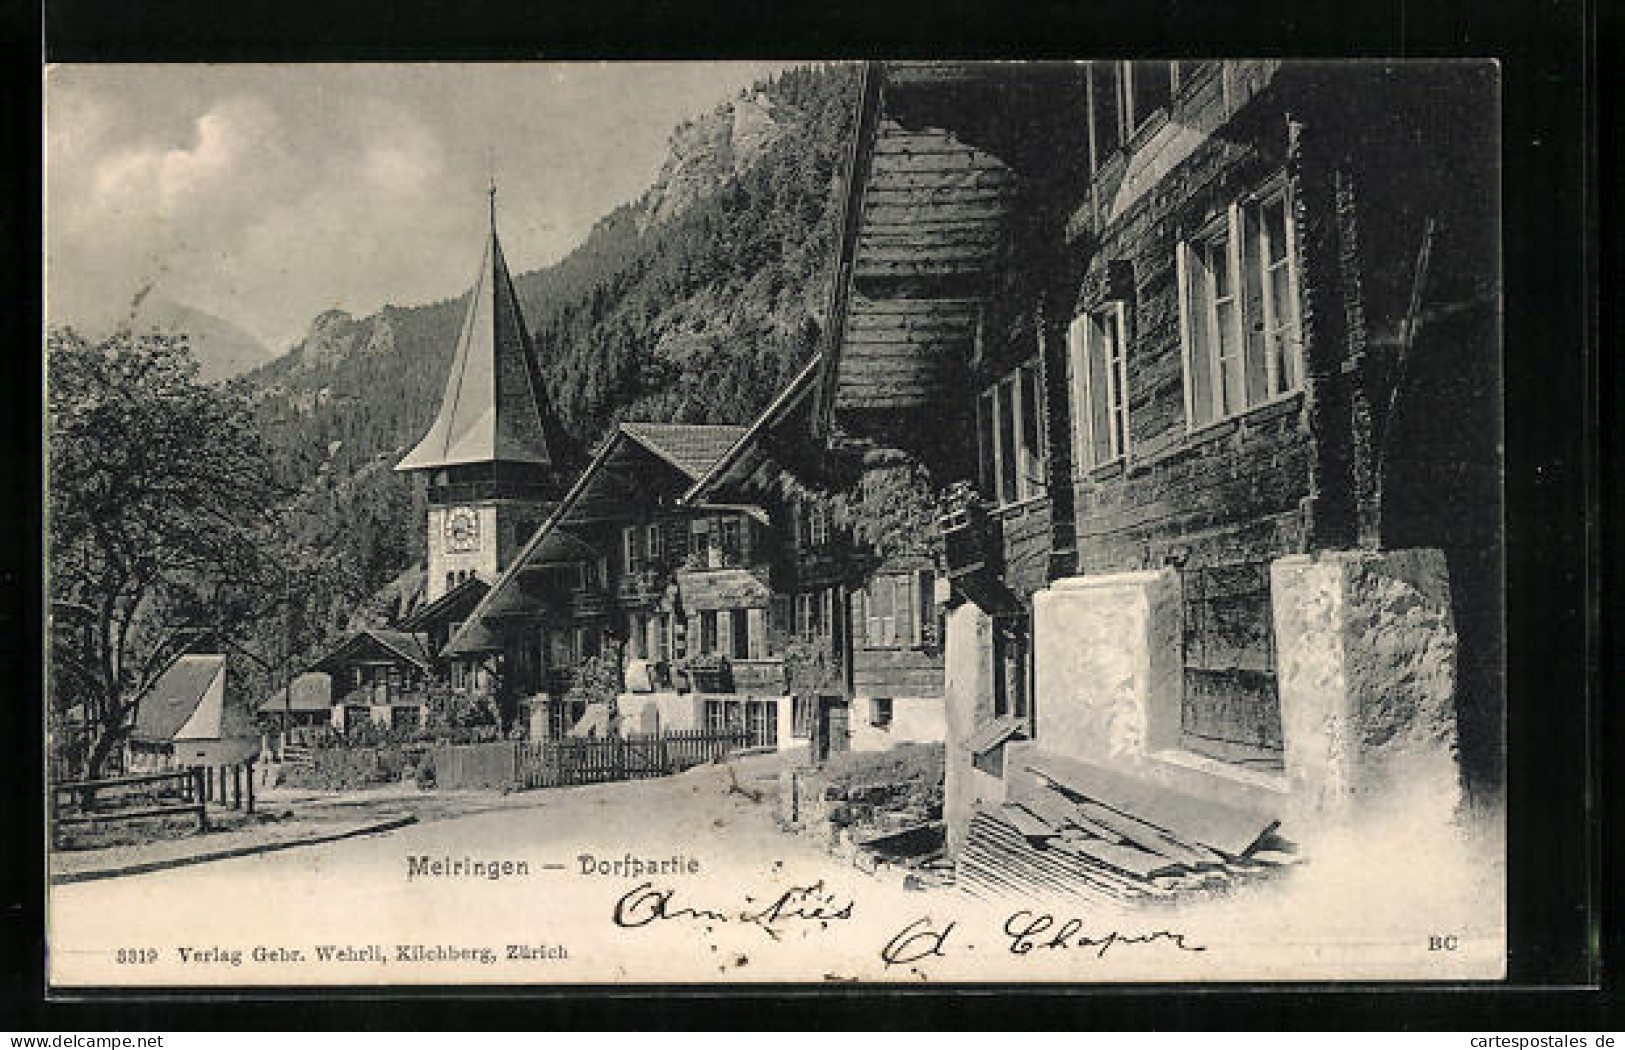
column 1365, row 656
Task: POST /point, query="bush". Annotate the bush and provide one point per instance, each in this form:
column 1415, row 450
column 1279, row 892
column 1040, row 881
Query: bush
column 348, row 768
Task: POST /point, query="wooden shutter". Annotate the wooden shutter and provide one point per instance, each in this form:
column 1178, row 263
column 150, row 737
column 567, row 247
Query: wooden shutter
column 779, row 623
column 1255, row 346
column 905, row 612
column 925, row 607
column 1077, row 389
column 1102, row 331
column 859, row 618
column 1198, row 398
column 756, row 633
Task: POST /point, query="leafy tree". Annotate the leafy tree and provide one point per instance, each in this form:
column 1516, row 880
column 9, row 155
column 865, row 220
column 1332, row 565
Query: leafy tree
column 160, row 512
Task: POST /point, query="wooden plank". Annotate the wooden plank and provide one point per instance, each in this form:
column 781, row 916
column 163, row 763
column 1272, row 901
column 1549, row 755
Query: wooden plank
column 140, row 778
column 1226, row 828
column 935, row 269
column 952, row 162
column 1026, row 822
column 918, row 305
column 869, row 253
column 919, row 236
column 1058, row 812
column 1153, row 839
column 940, row 210
column 904, row 342
column 1136, row 862
column 949, row 324
column 849, row 401
column 976, row 183
column 1003, row 848
column 104, row 816
column 889, row 144
column 943, row 200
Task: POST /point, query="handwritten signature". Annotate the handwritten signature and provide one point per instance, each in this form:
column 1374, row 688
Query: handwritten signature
column 1026, row 931
column 646, row 903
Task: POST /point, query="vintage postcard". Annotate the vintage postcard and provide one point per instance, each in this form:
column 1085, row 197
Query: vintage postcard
column 819, row 522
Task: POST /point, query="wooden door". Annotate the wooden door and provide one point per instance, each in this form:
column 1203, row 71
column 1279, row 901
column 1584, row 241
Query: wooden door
column 834, row 726
column 1231, row 708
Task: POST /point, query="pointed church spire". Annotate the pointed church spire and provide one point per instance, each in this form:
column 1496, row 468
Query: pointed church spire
column 495, row 408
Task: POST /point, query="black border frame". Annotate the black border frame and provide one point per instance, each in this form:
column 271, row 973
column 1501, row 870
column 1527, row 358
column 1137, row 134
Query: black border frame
column 1563, row 835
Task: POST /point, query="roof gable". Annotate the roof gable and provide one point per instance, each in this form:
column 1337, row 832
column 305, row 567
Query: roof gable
column 747, row 452
column 170, row 701
column 376, row 642
column 690, row 447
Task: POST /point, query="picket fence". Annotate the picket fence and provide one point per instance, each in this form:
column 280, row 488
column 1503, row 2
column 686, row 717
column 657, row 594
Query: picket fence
column 583, row 760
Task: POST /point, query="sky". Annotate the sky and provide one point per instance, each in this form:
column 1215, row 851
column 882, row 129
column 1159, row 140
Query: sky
column 266, row 194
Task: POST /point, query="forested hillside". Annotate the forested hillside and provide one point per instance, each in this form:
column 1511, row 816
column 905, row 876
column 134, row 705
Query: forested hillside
column 693, row 304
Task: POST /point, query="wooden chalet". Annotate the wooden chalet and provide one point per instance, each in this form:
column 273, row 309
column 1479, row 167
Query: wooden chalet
column 682, row 589
column 1168, row 322
column 863, row 627
column 380, row 677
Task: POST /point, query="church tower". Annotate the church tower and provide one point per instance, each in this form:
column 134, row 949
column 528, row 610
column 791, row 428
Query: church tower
column 495, row 455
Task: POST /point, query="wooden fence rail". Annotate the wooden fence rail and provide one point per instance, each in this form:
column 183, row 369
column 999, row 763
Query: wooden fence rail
column 131, row 798
column 580, row 760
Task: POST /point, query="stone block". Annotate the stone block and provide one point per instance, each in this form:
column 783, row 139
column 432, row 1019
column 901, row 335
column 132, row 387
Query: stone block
column 967, row 700
column 1366, row 659
column 1107, row 665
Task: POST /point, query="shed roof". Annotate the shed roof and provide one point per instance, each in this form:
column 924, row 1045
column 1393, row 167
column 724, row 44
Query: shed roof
column 166, row 705
column 311, row 691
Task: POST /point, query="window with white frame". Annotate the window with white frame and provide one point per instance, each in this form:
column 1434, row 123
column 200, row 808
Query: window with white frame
column 1010, row 434
column 1098, row 344
column 817, row 526
column 1239, row 310
column 814, row 615
column 656, row 542
column 1123, row 97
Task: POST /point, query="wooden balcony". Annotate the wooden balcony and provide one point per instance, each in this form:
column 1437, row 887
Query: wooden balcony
column 970, row 539
column 643, row 586
column 589, row 602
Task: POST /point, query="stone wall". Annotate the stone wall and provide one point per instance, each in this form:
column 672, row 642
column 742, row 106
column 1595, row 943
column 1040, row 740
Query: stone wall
column 914, row 720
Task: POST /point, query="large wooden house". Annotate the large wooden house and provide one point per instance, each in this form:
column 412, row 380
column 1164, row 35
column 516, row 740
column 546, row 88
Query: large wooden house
column 1195, row 334
column 680, row 591
column 862, row 626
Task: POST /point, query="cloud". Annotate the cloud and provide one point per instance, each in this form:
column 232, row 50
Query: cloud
column 228, row 142
column 266, row 194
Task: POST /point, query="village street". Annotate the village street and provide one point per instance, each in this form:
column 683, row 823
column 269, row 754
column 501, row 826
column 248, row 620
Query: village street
column 565, row 906
column 730, row 856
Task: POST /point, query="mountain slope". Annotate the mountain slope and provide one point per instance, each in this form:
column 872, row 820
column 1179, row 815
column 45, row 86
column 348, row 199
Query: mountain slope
column 692, row 304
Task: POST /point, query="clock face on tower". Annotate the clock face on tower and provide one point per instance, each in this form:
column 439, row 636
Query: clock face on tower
column 462, row 529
